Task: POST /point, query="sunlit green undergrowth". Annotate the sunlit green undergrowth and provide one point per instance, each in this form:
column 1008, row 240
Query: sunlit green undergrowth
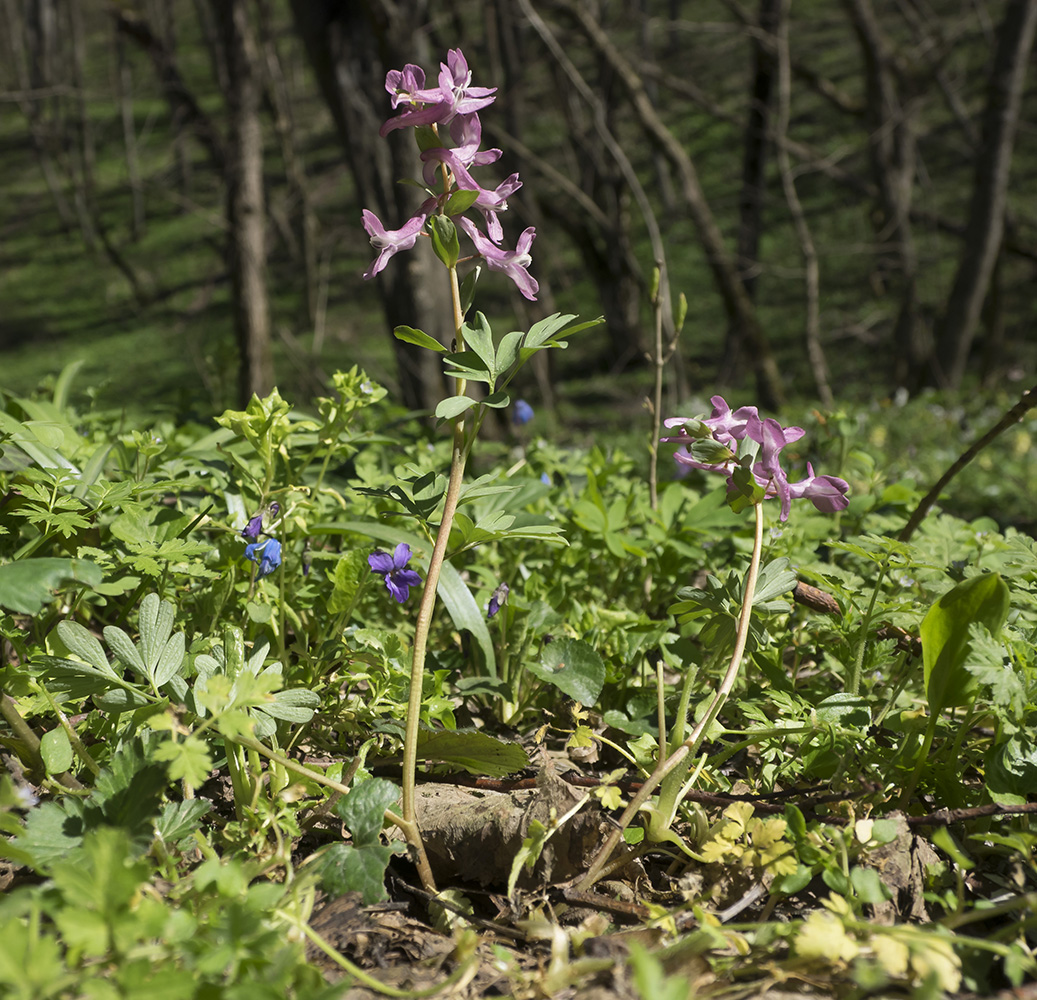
column 180, row 721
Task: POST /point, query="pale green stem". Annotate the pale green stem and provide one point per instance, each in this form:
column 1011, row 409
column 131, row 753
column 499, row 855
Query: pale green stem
column 425, row 611
column 691, row 743
column 923, row 759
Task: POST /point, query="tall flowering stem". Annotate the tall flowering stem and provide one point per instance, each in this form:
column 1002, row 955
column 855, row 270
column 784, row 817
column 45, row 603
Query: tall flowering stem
column 690, row 745
column 458, row 456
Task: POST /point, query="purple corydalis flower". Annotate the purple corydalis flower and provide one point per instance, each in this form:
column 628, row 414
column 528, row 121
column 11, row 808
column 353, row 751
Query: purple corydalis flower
column 266, row 555
column 498, row 599
column 398, row 579
column 513, row 263
column 437, row 105
column 729, row 429
column 389, row 242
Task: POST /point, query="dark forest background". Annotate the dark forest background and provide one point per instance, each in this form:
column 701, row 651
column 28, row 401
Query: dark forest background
column 842, row 190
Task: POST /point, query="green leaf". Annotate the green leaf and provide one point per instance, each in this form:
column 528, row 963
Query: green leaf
column 444, row 240
column 1011, row 768
column 346, row 577
column 56, row 751
column 868, row 885
column 296, row 705
column 478, row 338
column 775, row 579
column 350, row 869
column 49, row 834
column 945, row 637
column 26, row 585
column 453, row 406
column 574, row 667
column 180, row 819
column 477, row 752
column 189, row 760
column 460, row 201
column 468, row 286
column 409, row 335
column 363, row 809
column 845, row 710
column 85, row 646
column 122, row 645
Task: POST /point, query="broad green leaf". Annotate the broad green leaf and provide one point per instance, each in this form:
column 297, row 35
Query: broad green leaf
column 982, row 600
column 845, row 710
column 296, row 705
column 85, row 646
column 155, row 623
column 26, row 586
column 409, row 335
column 346, row 577
column 123, row 647
column 351, row 869
column 868, row 885
column 775, row 579
column 170, row 661
column 477, row 752
column 453, row 406
column 460, row 201
column 478, row 339
column 56, row 751
column 573, row 666
column 363, row 809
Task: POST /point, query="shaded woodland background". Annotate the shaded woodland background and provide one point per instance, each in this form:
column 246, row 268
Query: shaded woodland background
column 843, row 190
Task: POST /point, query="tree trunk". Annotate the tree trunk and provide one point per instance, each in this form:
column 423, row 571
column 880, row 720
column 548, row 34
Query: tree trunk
column 246, row 217
column 986, row 218
column 892, row 149
column 754, row 178
column 124, row 96
column 294, row 168
column 737, row 304
column 811, row 264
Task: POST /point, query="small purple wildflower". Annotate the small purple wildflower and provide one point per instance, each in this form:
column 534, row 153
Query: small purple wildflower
column 727, row 430
column 498, row 599
column 254, row 528
column 393, row 567
column 513, row 263
column 389, row 242
column 522, row 413
column 267, row 556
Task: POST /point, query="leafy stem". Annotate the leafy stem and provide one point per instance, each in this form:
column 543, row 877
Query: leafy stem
column 458, row 455
column 691, row 743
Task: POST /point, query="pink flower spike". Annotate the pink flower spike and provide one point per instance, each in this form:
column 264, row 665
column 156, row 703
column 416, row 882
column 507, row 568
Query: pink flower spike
column 513, row 263
column 390, row 241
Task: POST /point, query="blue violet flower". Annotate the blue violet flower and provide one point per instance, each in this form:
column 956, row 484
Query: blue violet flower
column 393, row 567
column 267, row 555
column 498, row 599
column 522, row 413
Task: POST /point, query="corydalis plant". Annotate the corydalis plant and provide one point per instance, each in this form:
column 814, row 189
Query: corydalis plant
column 447, row 174
column 449, row 136
column 747, row 449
